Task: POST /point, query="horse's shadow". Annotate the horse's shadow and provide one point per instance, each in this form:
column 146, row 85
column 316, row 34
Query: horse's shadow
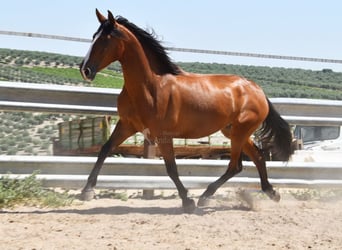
column 124, row 210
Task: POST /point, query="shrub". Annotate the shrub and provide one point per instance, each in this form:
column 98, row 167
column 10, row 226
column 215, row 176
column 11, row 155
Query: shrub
column 11, row 142
column 27, row 139
column 22, row 125
column 29, row 191
column 40, row 130
column 7, row 130
column 12, row 151
column 43, row 136
column 32, row 121
column 36, row 142
column 26, row 133
column 28, row 149
column 4, row 147
column 21, row 145
column 46, row 145
column 49, row 131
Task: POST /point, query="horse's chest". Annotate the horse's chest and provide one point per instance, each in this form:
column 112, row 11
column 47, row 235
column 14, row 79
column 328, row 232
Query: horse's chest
column 129, row 111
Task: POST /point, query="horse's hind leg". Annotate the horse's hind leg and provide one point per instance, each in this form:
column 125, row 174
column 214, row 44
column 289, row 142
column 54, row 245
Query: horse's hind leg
column 120, row 133
column 234, row 167
column 255, row 154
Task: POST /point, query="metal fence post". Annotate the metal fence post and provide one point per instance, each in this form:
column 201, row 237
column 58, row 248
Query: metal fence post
column 149, row 153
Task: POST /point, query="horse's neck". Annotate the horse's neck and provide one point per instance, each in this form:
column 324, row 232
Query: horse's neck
column 138, row 77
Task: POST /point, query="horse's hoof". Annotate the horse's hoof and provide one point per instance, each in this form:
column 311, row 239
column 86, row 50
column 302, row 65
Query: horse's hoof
column 189, row 206
column 87, row 195
column 274, row 195
column 203, row 201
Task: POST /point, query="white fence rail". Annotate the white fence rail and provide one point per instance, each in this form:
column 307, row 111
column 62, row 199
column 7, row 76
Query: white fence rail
column 309, row 111
column 18, row 96
column 49, row 98
column 130, row 173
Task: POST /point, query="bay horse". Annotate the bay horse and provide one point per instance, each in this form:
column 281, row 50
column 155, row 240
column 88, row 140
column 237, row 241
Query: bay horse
column 168, row 102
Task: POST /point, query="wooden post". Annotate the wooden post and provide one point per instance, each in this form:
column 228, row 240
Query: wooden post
column 149, row 149
column 149, row 153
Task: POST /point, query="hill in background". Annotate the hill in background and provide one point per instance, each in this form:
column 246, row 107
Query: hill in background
column 41, row 67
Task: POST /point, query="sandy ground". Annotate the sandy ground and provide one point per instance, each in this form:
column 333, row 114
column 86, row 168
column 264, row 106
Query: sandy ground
column 233, row 220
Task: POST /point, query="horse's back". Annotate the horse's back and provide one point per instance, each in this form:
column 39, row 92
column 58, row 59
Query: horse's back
column 215, row 90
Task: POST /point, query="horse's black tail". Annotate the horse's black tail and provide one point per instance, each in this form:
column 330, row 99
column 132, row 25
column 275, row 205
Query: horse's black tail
column 275, row 135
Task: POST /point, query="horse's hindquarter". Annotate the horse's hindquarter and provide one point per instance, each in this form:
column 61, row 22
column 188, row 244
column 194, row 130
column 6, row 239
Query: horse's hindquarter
column 193, row 105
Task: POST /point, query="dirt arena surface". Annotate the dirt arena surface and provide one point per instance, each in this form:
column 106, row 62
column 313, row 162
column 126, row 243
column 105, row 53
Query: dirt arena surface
column 235, row 219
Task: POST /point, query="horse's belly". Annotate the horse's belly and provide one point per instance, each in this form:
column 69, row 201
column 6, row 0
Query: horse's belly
column 204, row 126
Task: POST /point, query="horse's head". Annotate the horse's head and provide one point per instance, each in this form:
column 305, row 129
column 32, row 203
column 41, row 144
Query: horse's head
column 106, row 47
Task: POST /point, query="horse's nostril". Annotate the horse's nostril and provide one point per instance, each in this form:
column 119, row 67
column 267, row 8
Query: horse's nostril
column 87, row 72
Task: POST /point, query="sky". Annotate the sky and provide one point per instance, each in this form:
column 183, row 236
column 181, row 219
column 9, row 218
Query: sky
column 306, row 28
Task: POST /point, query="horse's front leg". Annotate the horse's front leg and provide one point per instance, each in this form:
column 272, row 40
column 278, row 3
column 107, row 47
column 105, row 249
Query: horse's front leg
column 166, row 149
column 121, row 132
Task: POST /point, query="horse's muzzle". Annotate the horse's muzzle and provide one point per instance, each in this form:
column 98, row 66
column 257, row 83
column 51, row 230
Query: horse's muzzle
column 87, row 73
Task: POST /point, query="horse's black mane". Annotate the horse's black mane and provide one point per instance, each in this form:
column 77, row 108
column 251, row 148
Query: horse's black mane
column 156, row 54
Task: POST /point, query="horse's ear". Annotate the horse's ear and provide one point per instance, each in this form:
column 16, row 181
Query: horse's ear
column 115, row 32
column 100, row 17
column 111, row 18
